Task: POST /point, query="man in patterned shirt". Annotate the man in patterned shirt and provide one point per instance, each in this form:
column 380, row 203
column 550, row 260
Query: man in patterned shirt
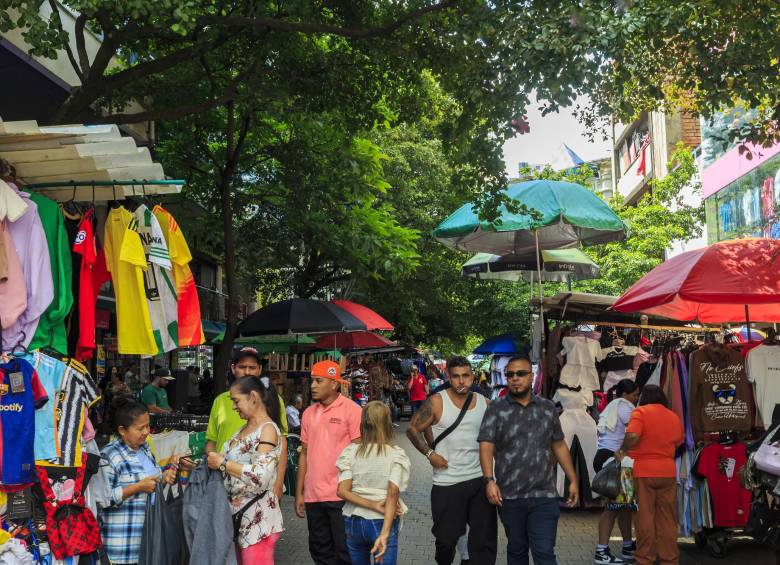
column 519, row 435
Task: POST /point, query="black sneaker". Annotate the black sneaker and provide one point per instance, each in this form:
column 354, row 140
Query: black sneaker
column 605, row 557
column 629, row 551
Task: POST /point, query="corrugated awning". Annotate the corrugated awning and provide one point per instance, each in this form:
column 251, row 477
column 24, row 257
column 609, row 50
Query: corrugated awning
column 83, row 154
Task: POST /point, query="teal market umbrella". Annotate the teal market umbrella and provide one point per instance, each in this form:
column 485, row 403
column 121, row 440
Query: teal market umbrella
column 558, row 265
column 570, row 215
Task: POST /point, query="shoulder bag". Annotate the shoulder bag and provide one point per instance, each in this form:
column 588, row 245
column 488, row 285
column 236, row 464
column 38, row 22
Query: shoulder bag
column 456, row 423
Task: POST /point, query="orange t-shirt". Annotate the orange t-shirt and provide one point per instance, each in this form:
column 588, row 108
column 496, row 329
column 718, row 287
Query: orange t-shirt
column 660, row 432
column 326, row 431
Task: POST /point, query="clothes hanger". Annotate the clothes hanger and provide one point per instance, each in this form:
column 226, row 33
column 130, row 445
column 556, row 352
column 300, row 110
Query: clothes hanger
column 114, row 204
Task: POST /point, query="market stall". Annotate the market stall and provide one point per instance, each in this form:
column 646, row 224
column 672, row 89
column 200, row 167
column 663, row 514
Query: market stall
column 94, row 273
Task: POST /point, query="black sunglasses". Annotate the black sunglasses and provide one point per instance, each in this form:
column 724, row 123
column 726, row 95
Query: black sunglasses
column 511, row 374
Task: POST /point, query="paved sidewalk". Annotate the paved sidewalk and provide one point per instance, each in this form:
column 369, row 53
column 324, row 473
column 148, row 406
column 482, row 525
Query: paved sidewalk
column 576, row 532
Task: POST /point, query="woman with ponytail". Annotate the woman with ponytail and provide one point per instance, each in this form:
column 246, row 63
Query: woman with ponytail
column 612, row 429
column 249, row 466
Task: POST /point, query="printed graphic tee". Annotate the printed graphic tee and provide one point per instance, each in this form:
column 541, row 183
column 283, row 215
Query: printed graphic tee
column 126, row 262
column 21, row 393
column 763, row 370
column 720, row 465
column 190, row 330
column 720, row 392
column 158, row 281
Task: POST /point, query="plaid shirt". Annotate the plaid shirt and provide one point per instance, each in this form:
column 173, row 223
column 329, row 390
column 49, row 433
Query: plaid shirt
column 122, row 521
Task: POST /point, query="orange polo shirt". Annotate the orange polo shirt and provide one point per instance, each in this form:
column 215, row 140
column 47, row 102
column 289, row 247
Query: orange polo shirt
column 660, row 433
column 326, row 431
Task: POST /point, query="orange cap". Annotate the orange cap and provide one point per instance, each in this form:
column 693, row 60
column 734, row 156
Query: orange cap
column 328, row 370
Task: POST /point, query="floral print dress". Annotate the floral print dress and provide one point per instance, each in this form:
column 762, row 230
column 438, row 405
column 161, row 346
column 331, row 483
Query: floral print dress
column 264, row 517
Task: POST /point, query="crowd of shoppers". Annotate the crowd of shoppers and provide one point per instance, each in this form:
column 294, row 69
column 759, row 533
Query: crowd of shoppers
column 489, row 460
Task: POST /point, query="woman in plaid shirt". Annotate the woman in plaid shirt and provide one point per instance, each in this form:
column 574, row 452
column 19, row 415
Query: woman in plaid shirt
column 129, row 472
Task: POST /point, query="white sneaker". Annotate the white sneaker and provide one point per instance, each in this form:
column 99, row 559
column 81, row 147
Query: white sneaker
column 605, row 557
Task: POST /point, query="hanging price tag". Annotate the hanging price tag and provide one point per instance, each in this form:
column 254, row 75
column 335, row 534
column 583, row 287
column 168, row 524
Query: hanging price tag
column 17, row 382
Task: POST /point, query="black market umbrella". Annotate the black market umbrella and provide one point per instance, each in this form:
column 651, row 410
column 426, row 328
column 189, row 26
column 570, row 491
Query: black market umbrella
column 299, row 316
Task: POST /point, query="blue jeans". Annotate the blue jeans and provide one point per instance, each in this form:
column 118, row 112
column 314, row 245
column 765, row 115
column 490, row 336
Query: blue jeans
column 530, row 523
column 361, row 535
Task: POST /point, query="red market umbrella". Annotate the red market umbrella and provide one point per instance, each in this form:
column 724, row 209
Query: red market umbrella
column 729, row 281
column 353, row 340
column 371, row 319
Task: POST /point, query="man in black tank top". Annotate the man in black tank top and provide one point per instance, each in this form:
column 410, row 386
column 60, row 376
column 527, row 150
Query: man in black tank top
column 445, row 431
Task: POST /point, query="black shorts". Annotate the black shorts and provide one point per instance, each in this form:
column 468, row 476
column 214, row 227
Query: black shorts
column 601, row 457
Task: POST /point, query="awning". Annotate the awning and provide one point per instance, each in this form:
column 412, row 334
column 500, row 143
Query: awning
column 56, row 155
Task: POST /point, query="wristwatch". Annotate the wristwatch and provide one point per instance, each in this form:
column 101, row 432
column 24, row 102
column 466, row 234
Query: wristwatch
column 489, row 479
column 223, row 467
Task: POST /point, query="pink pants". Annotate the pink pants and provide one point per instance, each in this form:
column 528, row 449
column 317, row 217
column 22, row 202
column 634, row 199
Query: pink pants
column 261, row 553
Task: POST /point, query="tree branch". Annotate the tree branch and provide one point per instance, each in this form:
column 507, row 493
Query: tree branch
column 136, row 72
column 81, row 45
column 166, row 114
column 272, row 24
column 55, row 14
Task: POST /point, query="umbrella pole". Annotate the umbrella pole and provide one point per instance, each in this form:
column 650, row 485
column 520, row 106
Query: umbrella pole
column 747, row 323
column 543, row 333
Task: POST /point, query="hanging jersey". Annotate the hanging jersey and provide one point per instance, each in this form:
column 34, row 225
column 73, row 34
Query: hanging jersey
column 126, row 262
column 33, row 252
column 190, row 325
column 78, row 391
column 158, row 281
column 20, row 394
column 92, row 275
column 50, row 372
column 51, row 326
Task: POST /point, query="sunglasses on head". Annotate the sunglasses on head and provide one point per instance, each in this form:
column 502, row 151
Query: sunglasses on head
column 511, row 374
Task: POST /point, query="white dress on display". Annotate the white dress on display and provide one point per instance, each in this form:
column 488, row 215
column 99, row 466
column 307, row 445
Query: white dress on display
column 576, row 422
column 580, row 369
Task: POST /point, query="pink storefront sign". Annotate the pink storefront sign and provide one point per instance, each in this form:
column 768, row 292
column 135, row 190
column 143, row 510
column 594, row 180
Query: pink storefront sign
column 733, row 165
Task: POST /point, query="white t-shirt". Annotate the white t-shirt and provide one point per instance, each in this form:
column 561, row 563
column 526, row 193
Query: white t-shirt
column 613, row 439
column 581, row 350
column 763, row 370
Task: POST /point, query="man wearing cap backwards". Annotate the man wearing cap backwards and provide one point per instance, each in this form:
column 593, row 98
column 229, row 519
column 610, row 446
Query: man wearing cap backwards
column 154, row 395
column 224, row 421
column 327, row 427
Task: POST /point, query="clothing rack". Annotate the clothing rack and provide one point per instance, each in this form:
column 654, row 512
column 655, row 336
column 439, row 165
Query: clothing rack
column 182, row 422
column 686, row 329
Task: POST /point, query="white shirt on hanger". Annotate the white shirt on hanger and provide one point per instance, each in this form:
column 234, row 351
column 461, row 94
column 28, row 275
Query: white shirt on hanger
column 763, row 370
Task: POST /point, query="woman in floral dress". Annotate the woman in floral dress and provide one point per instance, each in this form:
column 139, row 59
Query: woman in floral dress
column 249, row 466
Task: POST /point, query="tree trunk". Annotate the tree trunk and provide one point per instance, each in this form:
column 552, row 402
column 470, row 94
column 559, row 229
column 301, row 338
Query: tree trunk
column 222, row 364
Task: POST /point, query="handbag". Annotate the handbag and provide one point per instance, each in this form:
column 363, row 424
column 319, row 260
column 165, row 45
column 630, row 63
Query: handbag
column 238, row 516
column 456, row 423
column 70, row 525
column 607, row 481
column 767, row 458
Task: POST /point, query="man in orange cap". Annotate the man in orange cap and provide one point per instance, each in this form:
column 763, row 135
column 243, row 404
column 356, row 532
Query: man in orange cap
column 327, row 427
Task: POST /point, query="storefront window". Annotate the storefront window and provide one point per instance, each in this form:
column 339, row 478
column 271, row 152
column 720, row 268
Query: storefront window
column 748, row 207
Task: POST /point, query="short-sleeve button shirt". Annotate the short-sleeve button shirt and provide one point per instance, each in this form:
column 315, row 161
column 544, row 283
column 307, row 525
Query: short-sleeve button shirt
column 523, row 436
column 326, row 431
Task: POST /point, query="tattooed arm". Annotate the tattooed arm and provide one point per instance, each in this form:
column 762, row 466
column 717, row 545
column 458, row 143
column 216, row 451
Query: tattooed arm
column 419, row 431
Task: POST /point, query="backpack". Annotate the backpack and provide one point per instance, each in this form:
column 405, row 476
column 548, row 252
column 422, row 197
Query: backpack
column 70, row 525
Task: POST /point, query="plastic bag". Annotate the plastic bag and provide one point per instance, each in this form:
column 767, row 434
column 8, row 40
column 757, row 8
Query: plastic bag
column 162, row 542
column 607, row 481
